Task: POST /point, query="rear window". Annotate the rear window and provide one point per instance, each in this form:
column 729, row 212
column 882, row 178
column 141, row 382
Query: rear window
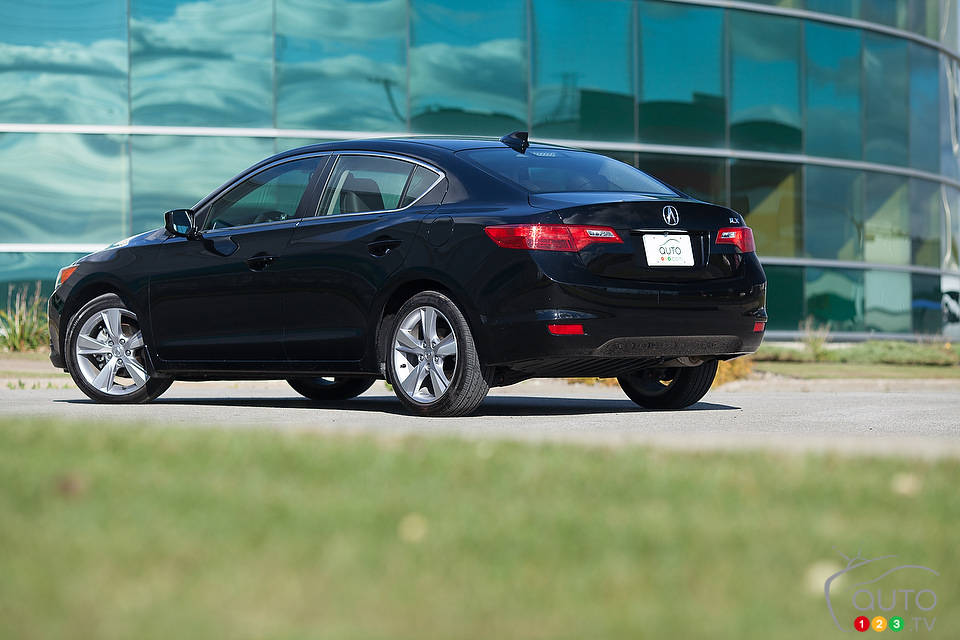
column 559, row 170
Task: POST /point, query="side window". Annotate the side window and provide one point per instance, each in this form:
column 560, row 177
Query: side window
column 359, row 184
column 269, row 196
column 420, row 182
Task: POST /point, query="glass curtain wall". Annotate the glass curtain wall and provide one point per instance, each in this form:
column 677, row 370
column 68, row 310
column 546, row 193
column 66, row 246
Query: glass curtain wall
column 847, row 140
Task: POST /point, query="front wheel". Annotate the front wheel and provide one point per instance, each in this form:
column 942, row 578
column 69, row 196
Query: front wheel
column 331, row 389
column 673, row 388
column 432, row 360
column 104, row 353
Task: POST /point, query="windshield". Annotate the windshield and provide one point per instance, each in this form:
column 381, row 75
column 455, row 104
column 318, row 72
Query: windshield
column 561, row 170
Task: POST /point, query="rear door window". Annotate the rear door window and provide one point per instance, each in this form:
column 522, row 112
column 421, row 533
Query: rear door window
column 365, row 183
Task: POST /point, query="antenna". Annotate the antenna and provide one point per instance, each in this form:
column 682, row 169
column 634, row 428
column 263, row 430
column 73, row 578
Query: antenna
column 518, row 140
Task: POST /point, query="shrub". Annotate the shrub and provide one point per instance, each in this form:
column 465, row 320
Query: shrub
column 730, row 370
column 894, row 352
column 770, row 353
column 815, row 338
column 23, row 324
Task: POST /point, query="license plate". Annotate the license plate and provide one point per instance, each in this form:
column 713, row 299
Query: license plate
column 672, row 250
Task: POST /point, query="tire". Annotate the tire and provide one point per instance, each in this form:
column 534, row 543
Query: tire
column 106, row 356
column 331, row 389
column 684, row 386
column 418, row 372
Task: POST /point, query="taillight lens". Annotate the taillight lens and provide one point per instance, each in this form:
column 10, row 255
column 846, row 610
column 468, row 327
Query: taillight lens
column 565, row 329
column 64, row 274
column 740, row 237
column 550, row 237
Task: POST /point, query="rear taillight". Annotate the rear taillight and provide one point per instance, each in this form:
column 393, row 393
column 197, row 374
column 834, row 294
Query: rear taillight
column 740, row 237
column 565, row 329
column 550, row 237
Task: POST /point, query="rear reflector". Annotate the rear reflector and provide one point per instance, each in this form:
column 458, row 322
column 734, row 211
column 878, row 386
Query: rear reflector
column 759, row 326
column 565, row 329
column 550, row 237
column 740, row 237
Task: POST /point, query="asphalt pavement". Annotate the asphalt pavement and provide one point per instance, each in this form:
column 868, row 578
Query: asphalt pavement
column 914, row 418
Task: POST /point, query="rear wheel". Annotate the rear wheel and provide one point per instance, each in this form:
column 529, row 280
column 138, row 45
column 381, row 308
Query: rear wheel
column 331, row 389
column 432, row 360
column 674, row 388
column 104, row 353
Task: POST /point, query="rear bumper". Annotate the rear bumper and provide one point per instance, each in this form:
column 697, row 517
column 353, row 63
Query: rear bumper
column 644, row 324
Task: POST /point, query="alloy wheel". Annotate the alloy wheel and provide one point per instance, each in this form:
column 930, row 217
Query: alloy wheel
column 109, row 352
column 425, row 354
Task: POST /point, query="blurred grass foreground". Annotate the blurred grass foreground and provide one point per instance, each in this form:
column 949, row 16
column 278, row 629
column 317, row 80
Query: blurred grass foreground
column 135, row 532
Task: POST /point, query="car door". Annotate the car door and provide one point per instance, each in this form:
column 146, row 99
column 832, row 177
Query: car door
column 339, row 259
column 217, row 299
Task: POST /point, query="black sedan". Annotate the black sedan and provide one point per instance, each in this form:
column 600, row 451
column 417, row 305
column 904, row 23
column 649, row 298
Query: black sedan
column 446, row 266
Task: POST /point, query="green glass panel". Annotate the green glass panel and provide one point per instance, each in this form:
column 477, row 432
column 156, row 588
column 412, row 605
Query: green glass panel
column 584, row 91
column 949, row 118
column 468, row 67
column 951, row 203
column 887, row 301
column 892, row 13
column 24, row 270
column 833, row 213
column 886, row 88
column 834, row 297
column 833, row 91
column 926, row 223
column 923, row 17
column 63, row 63
column 886, row 219
column 950, row 290
column 201, row 63
column 769, row 197
column 845, row 8
column 924, row 108
column 927, row 303
column 765, row 82
column 63, row 187
column 702, row 178
column 681, row 97
column 342, row 65
column 172, row 172
column 784, row 297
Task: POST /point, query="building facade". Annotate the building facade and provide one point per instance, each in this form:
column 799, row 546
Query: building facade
column 832, row 125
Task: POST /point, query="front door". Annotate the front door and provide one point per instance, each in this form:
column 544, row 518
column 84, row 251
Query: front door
column 217, row 300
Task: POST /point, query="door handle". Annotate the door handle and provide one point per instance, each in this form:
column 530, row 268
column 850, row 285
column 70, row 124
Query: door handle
column 259, row 262
column 380, row 248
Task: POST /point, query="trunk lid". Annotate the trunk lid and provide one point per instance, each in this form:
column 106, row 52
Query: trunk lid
column 634, row 216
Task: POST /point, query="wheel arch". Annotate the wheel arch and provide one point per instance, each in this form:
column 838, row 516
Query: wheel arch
column 405, row 288
column 89, row 290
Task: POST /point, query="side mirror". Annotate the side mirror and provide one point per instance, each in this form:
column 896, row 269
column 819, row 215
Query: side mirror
column 180, row 223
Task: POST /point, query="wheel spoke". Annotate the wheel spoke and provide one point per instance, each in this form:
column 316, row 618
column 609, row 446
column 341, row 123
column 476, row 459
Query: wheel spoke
column 138, row 373
column 406, row 339
column 412, row 351
column 135, row 341
column 447, row 346
column 111, row 322
column 87, row 346
column 428, row 318
column 415, row 378
column 104, row 379
column 440, row 382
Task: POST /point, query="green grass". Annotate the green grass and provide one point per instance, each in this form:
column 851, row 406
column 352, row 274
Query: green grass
column 137, row 532
column 869, row 352
column 836, row 370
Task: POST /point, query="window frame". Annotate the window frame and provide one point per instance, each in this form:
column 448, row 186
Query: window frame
column 328, row 175
column 203, row 208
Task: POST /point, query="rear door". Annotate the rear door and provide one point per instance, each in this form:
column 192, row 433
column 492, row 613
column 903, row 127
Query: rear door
column 341, row 255
column 218, row 299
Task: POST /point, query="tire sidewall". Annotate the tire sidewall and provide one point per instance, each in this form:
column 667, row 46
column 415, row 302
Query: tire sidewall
column 154, row 386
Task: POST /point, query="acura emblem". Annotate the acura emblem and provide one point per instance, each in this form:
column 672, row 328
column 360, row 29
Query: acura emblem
column 670, row 215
